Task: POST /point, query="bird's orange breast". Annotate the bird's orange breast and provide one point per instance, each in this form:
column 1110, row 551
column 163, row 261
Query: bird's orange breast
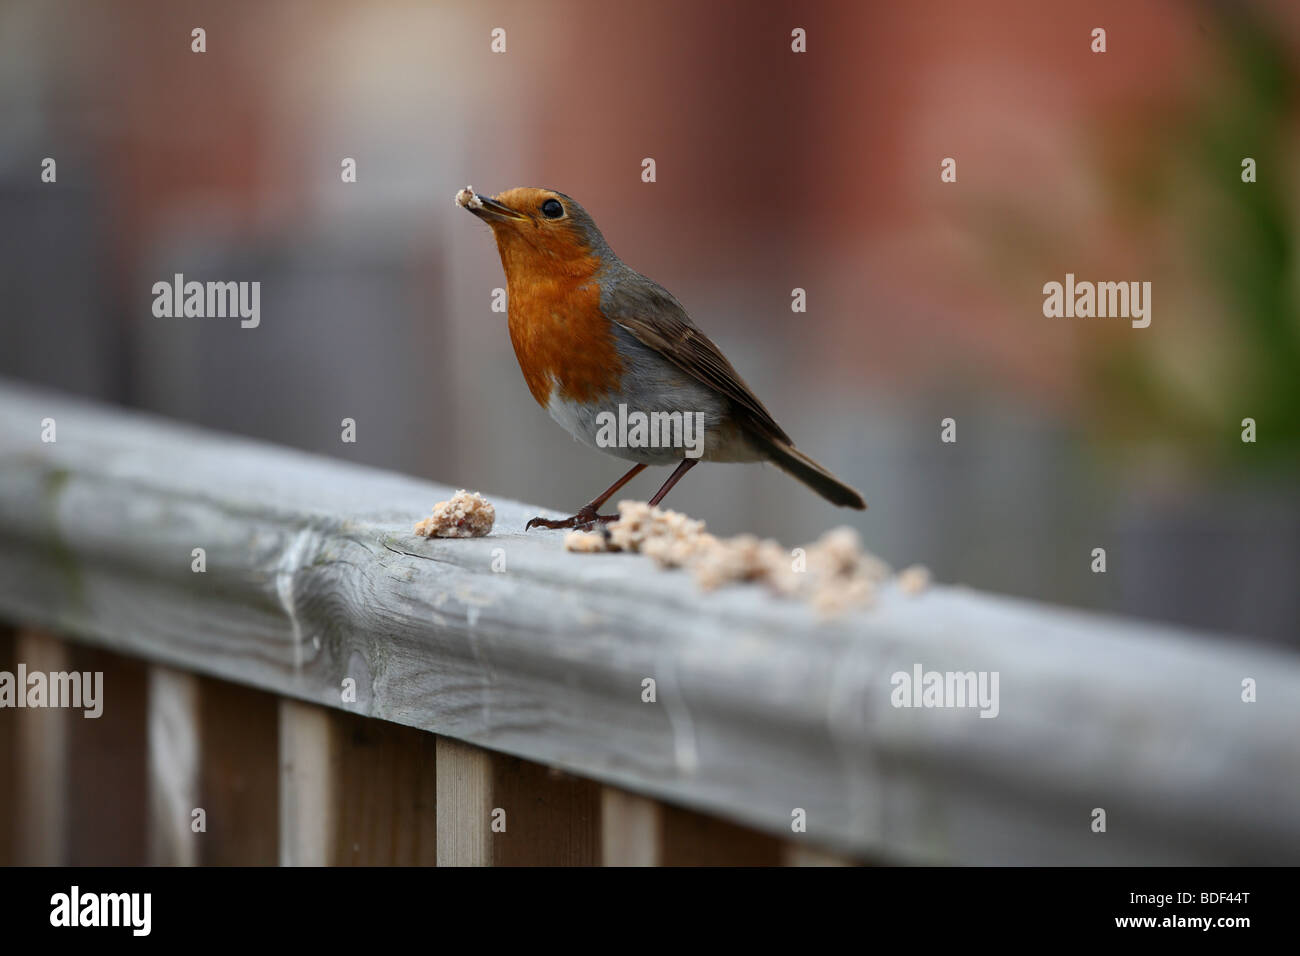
column 562, row 340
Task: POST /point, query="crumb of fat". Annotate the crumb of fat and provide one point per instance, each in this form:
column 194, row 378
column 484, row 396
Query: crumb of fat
column 913, row 580
column 841, row 595
column 467, row 515
column 468, row 199
column 833, row 574
column 584, row 542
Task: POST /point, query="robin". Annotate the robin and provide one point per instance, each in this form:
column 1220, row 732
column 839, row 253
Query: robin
column 595, row 338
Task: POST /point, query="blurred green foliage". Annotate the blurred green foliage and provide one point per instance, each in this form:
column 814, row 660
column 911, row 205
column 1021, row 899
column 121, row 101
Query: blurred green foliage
column 1242, row 238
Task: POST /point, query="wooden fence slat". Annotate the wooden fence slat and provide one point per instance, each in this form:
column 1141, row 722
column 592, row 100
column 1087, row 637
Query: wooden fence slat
column 688, row 838
column 173, row 766
column 108, row 825
column 239, row 774
column 355, row 790
column 629, row 829
column 307, row 795
column 8, row 759
column 387, row 793
column 498, row 810
column 797, row 854
column 464, row 804
column 213, row 747
column 43, row 767
column 551, row 818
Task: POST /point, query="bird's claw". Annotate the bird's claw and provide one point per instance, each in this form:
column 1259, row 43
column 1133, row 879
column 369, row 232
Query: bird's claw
column 584, row 520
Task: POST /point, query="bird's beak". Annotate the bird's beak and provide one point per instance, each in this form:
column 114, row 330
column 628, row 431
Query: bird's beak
column 486, row 208
column 491, row 209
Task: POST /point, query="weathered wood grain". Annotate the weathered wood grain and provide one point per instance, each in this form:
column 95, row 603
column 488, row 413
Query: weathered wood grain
column 313, row 576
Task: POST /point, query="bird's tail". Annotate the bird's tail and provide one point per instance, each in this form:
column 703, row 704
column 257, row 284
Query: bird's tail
column 794, row 462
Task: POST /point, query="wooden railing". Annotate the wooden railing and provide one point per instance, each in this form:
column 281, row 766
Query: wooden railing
column 282, row 654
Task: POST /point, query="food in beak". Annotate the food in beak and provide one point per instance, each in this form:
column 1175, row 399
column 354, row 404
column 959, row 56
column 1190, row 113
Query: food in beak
column 468, row 199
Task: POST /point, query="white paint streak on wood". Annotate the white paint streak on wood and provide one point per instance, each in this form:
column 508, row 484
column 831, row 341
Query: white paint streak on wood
column 174, row 743
column 673, row 702
column 293, row 559
column 784, row 711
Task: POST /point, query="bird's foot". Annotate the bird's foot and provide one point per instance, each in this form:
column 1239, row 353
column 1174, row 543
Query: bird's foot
column 584, row 520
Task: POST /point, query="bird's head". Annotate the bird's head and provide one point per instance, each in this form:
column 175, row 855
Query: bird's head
column 539, row 230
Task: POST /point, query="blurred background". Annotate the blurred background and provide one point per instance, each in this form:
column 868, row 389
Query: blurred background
column 775, row 170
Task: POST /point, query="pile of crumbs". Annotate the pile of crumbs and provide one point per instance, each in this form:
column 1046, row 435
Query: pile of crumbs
column 467, row 515
column 834, row 574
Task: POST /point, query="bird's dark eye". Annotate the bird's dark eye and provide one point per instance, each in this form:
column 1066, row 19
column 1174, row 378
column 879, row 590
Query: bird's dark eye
column 552, row 209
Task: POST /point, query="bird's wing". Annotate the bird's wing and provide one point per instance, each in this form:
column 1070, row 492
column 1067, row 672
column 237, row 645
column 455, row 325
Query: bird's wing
column 658, row 321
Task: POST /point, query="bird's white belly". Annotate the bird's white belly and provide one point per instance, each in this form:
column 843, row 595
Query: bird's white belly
column 655, row 432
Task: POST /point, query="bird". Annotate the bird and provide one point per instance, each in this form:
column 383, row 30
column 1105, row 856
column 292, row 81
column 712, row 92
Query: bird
column 595, row 338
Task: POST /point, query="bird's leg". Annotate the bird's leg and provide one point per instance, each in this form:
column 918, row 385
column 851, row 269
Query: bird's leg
column 686, row 465
column 587, row 515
